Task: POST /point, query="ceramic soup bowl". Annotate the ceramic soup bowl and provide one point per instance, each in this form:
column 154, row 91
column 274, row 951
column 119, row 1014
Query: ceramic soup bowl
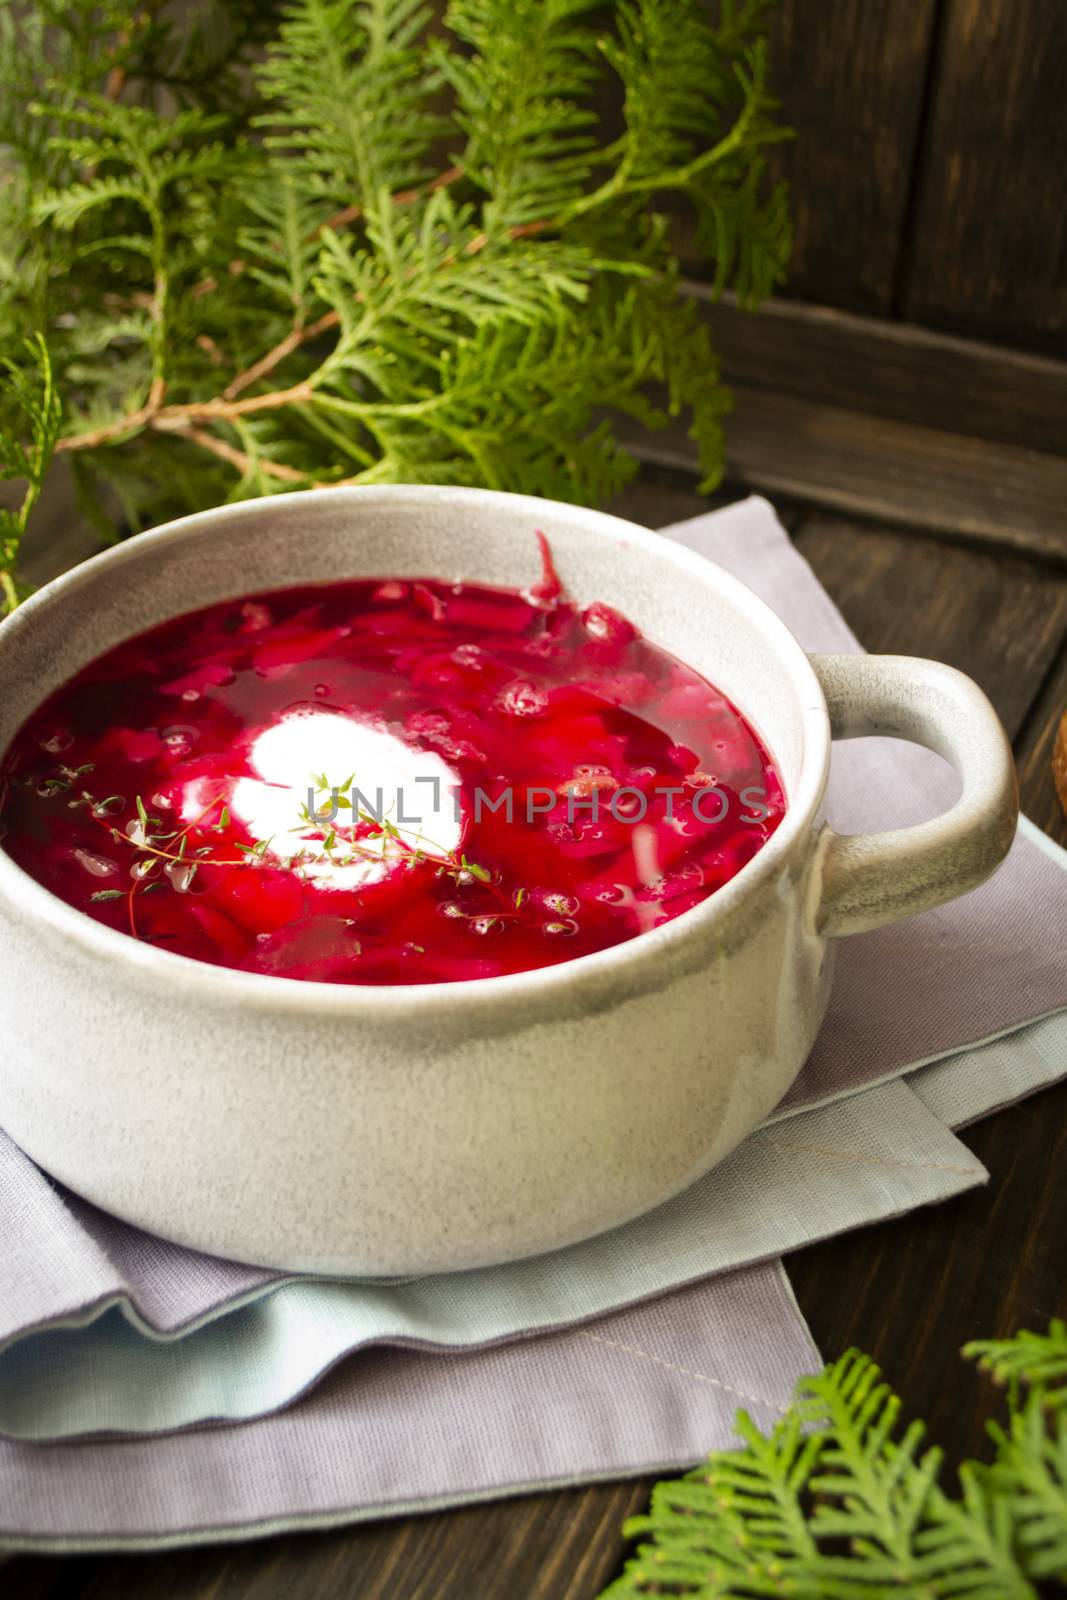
column 410, row 1129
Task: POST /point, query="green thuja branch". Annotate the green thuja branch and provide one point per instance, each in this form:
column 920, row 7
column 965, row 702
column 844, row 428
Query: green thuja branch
column 349, row 89
column 1030, row 1468
column 522, row 101
column 29, row 406
column 351, row 241
column 841, row 1502
column 1038, row 1359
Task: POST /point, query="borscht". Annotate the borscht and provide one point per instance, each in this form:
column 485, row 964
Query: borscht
column 386, row 781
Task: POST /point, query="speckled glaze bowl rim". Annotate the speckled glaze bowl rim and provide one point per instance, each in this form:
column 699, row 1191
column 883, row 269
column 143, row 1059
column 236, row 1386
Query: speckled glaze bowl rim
column 262, row 992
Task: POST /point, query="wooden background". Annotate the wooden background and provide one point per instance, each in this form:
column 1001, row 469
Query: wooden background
column 913, row 370
column 928, row 166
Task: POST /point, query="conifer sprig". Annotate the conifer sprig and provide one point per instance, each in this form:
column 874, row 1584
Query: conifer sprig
column 30, row 395
column 839, row 1502
column 340, row 241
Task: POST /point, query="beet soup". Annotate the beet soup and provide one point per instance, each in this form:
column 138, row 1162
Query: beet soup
column 387, row 781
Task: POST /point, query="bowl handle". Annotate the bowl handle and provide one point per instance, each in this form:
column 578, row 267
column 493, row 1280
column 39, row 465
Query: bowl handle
column 870, row 879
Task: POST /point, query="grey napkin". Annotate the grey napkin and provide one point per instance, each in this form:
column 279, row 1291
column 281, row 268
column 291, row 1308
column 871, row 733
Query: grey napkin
column 396, row 1431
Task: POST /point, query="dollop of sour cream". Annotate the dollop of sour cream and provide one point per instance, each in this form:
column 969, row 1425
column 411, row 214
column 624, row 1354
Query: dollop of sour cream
column 414, row 791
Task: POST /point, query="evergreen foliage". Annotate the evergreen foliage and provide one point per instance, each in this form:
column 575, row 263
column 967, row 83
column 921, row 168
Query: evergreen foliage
column 363, row 241
column 839, row 1502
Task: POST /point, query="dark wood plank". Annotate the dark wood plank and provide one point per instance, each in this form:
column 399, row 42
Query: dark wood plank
column 988, row 250
column 1035, row 754
column 851, row 78
column 1001, row 619
column 541, row 1547
column 891, row 369
column 848, row 461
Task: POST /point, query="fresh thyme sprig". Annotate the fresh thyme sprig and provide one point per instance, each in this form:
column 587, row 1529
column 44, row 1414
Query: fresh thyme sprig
column 165, row 857
column 380, row 827
column 182, row 864
column 337, row 241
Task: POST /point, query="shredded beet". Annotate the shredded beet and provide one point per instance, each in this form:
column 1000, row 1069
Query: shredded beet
column 549, row 589
column 147, row 793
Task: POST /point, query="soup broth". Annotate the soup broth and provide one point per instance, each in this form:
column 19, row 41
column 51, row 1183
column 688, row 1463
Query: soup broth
column 388, row 781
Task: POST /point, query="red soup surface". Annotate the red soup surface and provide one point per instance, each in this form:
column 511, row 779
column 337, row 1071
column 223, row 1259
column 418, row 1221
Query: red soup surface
column 387, row 781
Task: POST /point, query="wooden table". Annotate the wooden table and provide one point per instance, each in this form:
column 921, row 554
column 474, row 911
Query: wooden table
column 910, row 1292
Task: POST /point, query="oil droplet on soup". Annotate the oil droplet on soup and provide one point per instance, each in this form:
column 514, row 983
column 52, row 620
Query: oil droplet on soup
column 386, row 781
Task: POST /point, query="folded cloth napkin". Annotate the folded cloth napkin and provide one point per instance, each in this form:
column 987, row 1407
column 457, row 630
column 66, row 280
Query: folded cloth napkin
column 150, row 1395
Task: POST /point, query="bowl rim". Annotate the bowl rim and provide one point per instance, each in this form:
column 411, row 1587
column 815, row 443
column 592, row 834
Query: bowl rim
column 261, row 991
